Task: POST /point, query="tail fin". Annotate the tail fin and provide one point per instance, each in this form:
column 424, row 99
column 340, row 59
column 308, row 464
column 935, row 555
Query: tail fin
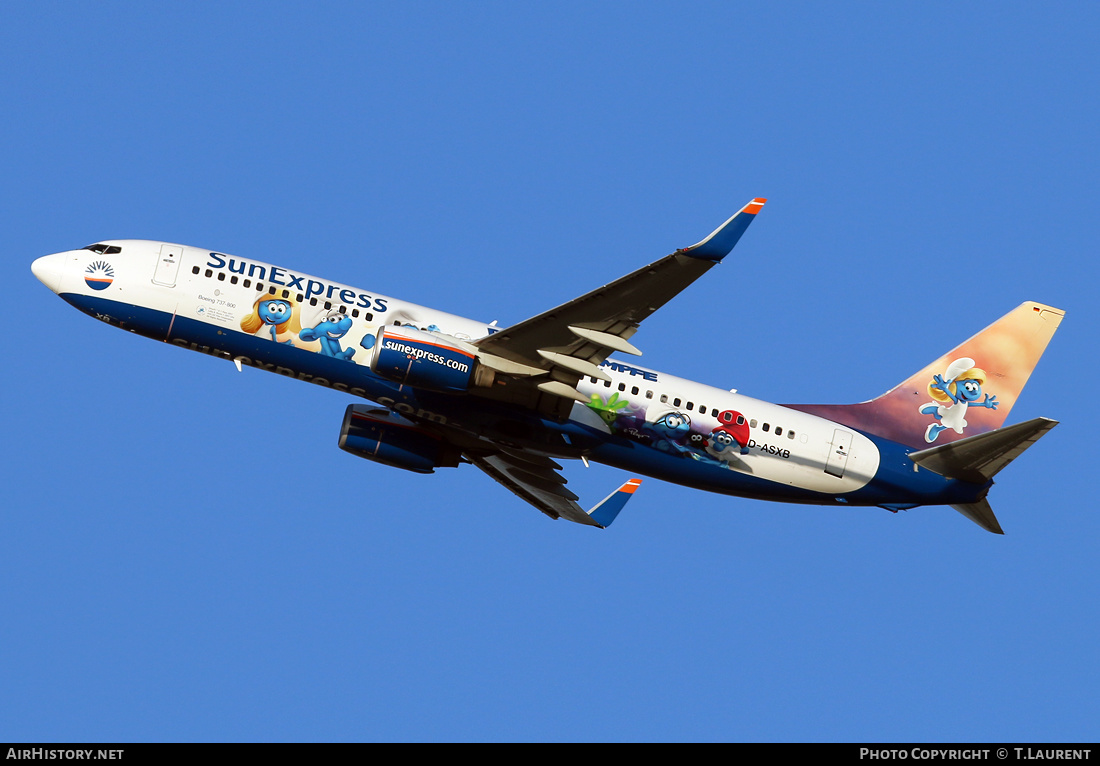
column 967, row 391
column 978, row 458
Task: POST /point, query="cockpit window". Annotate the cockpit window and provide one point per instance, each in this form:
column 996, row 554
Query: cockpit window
column 104, row 249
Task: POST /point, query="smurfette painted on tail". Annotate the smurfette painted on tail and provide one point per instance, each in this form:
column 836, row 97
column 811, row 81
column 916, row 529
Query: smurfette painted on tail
column 957, row 389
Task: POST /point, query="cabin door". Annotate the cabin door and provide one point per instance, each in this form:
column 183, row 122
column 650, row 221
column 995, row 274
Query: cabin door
column 838, row 453
column 168, row 265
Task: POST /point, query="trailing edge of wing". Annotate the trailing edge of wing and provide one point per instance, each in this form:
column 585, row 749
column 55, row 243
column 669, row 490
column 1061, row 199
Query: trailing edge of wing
column 541, row 486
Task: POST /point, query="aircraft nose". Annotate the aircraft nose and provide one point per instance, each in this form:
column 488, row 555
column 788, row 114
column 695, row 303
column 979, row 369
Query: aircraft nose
column 48, row 269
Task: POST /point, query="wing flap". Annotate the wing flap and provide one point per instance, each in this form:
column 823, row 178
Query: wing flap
column 546, row 494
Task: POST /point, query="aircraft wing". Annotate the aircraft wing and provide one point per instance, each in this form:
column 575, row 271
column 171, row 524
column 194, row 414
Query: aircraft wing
column 559, row 346
column 535, row 478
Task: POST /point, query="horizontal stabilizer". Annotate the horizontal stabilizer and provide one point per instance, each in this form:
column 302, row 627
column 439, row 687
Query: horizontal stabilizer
column 982, row 515
column 978, row 458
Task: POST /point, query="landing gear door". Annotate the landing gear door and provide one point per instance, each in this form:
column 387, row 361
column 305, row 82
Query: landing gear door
column 168, row 265
column 838, row 453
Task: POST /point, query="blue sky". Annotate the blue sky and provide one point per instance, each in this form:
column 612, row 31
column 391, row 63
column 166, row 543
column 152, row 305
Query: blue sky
column 928, row 168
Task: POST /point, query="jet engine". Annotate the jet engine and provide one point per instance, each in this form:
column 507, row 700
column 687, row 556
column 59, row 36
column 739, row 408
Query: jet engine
column 385, row 437
column 422, row 359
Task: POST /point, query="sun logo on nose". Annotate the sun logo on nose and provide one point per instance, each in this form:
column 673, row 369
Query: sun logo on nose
column 99, row 275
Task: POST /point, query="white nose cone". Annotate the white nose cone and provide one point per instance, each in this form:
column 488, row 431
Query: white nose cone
column 48, row 270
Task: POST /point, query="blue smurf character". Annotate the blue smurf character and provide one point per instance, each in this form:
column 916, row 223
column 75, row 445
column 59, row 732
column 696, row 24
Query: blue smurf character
column 278, row 315
column 724, row 448
column 729, row 437
column 668, row 433
column 957, row 389
column 329, row 331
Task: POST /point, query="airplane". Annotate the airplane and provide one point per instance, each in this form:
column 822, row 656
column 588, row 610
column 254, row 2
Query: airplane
column 441, row 390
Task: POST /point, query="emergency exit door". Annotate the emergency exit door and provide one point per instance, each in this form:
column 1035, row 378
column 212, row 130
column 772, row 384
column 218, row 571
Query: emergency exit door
column 838, row 453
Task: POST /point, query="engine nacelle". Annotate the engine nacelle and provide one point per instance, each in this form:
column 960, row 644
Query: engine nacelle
column 385, row 437
column 421, row 359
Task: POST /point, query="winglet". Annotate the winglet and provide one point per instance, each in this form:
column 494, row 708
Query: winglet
column 721, row 241
column 608, row 508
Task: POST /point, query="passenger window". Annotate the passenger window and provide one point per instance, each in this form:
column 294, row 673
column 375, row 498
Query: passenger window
column 675, row 402
column 664, row 398
column 622, row 386
column 221, row 276
column 765, row 427
column 607, row 384
column 248, row 283
column 691, row 406
column 634, row 390
column 194, row 269
column 778, row 431
column 209, row 273
column 648, row 394
column 752, row 423
column 790, row 434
